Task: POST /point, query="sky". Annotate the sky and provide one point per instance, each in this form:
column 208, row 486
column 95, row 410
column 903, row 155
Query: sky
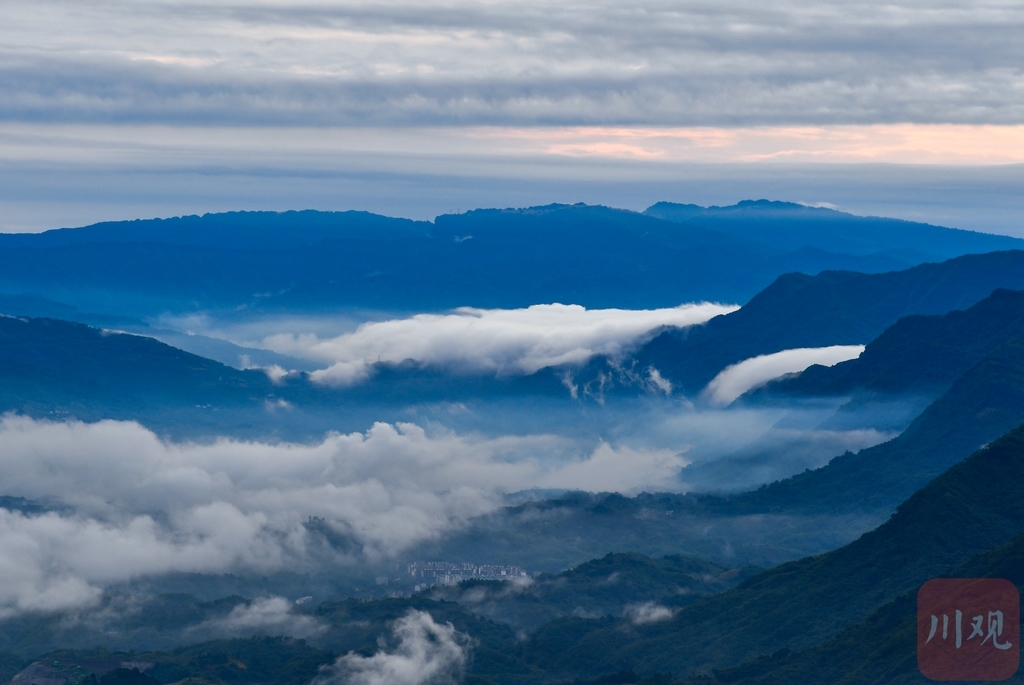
column 119, row 110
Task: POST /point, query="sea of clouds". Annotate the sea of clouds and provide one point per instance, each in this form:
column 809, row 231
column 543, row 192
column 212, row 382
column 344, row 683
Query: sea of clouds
column 124, row 504
column 489, row 341
column 128, row 505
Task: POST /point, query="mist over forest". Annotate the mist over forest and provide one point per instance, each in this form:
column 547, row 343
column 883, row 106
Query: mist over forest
column 485, row 446
column 511, row 343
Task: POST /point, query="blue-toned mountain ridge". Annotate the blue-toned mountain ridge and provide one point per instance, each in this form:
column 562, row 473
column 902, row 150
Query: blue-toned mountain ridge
column 68, row 370
column 322, row 261
column 794, row 226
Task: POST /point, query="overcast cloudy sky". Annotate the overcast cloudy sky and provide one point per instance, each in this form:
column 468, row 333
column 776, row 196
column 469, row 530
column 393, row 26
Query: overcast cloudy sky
column 120, row 109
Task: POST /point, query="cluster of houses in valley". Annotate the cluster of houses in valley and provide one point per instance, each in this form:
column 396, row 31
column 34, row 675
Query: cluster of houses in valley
column 428, row 573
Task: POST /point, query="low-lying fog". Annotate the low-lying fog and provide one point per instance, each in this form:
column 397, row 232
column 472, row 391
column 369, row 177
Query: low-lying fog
column 126, row 504
column 123, row 505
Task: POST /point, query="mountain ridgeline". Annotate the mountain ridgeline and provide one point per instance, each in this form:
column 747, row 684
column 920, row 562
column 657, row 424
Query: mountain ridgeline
column 803, row 514
column 882, row 648
column 793, row 226
column 589, row 255
column 57, row 369
column 970, row 361
column 917, row 353
column 831, row 308
column 916, row 349
column 974, row 358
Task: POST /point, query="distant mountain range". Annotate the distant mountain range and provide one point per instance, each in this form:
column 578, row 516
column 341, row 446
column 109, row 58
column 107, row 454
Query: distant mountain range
column 791, row 226
column 588, row 255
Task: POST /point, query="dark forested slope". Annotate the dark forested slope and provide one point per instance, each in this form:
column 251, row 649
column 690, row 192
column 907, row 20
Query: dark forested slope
column 977, row 505
column 832, row 308
column 881, row 649
column 982, row 404
column 51, row 365
column 918, row 353
column 609, row 586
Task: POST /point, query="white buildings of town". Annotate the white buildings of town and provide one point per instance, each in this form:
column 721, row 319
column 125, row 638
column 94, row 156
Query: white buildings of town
column 448, row 573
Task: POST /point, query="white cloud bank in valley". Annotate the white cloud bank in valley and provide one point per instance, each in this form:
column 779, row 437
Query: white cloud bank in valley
column 498, row 341
column 140, row 506
column 427, row 652
column 751, row 373
column 266, row 615
column 648, row 612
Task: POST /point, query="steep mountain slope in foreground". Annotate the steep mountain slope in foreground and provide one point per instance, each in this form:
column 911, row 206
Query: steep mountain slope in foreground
column 975, row 506
column 881, row 649
column 832, row 308
column 269, row 262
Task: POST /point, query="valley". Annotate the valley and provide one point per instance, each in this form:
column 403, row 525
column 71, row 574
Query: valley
column 656, row 536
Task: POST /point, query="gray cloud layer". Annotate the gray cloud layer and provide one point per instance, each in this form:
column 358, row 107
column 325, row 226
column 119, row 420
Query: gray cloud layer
column 142, row 507
column 702, row 63
column 132, row 506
